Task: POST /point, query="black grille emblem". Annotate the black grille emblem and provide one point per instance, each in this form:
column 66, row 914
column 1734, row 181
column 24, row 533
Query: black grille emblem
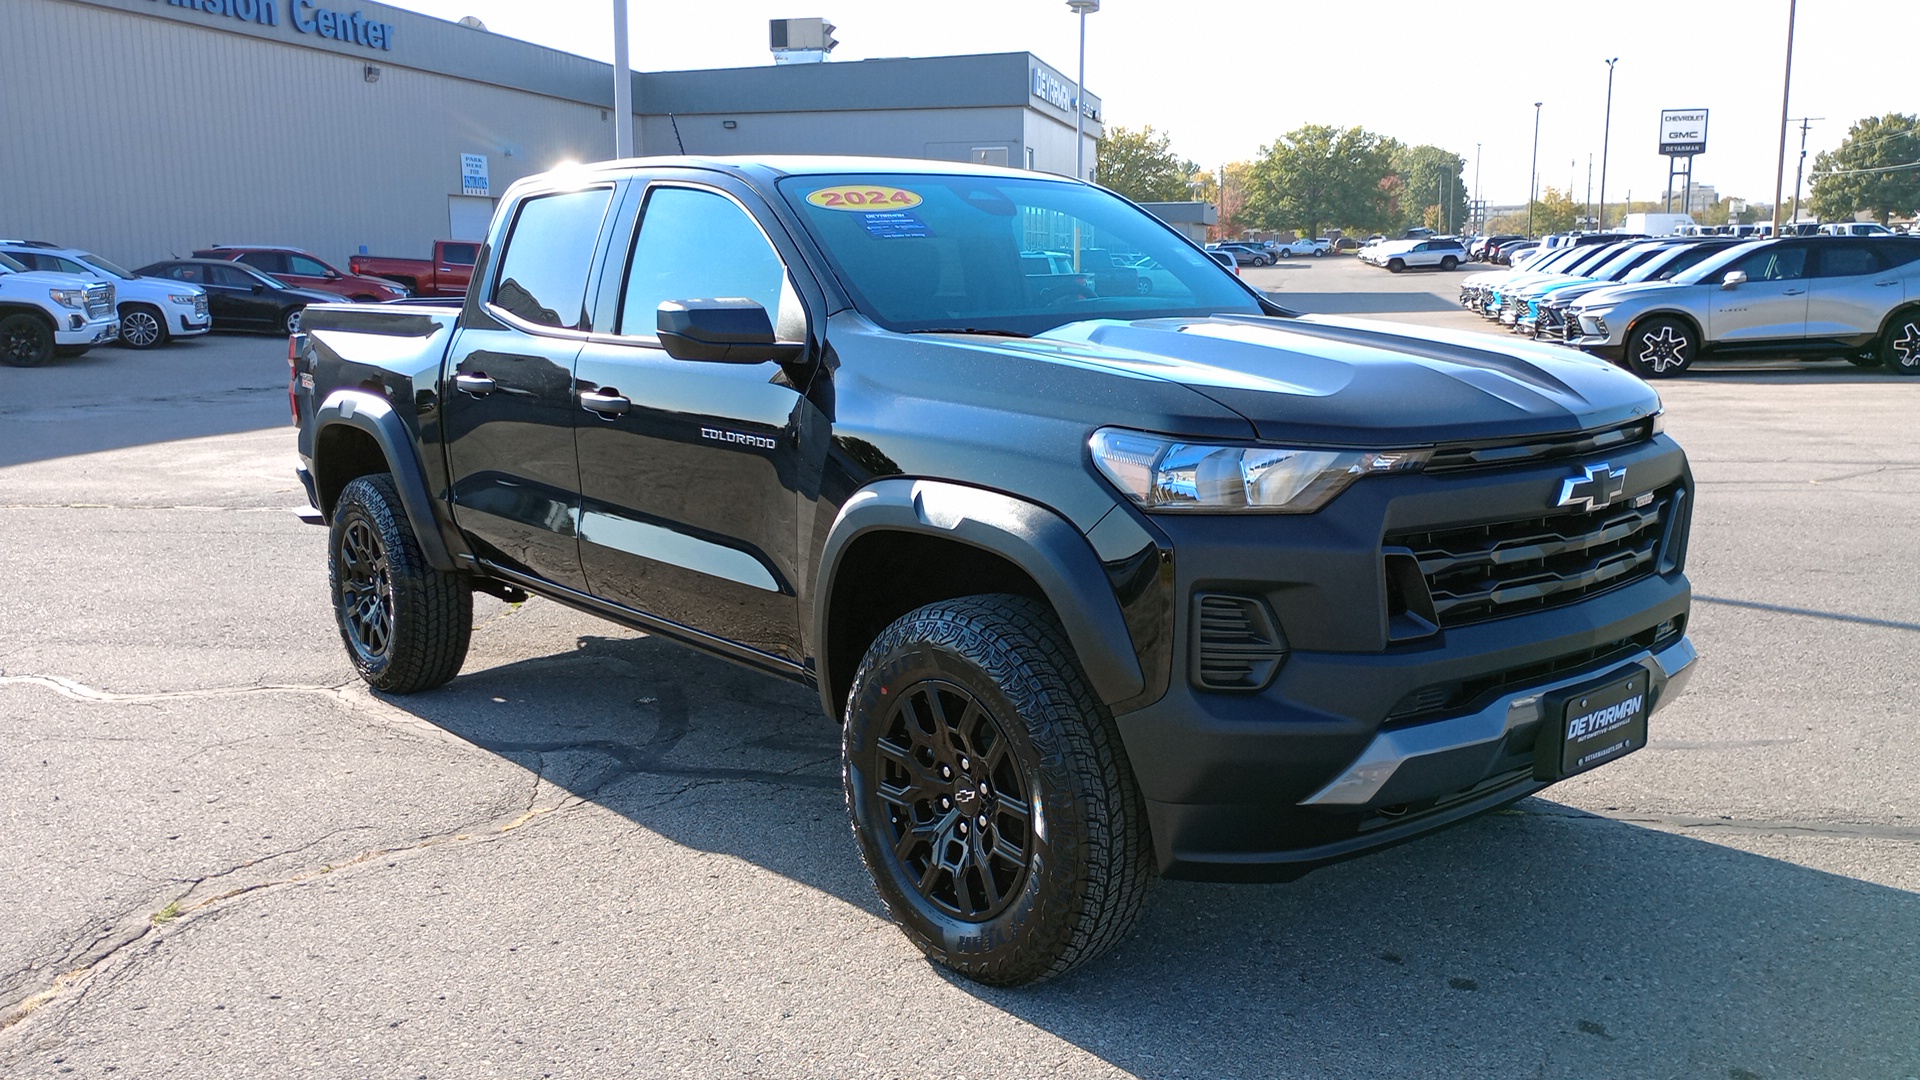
column 1594, row 489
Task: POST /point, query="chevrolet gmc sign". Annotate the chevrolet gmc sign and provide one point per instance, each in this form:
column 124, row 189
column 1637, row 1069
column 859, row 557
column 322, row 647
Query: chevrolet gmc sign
column 1683, row 132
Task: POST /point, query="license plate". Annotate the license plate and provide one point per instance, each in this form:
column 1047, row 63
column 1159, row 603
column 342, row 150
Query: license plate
column 1595, row 725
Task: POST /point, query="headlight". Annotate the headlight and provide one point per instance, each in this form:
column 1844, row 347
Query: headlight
column 1159, row 473
column 183, row 299
column 73, row 298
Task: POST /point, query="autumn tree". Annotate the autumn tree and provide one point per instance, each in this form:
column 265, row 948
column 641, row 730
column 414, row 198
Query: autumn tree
column 1317, row 176
column 1877, row 169
column 1142, row 165
column 1431, row 188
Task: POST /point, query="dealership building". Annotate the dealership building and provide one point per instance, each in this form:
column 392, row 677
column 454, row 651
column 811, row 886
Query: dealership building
column 144, row 128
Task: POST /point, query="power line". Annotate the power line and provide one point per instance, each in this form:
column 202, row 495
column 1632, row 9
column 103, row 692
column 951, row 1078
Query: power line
column 1851, row 172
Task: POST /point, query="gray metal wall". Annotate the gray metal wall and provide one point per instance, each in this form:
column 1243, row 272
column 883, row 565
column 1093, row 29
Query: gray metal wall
column 944, row 134
column 137, row 137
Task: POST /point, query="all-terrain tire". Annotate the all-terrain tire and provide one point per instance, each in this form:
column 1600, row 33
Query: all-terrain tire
column 989, row 794
column 405, row 624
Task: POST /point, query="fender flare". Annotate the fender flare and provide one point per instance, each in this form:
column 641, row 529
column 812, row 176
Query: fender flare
column 1040, row 542
column 370, row 413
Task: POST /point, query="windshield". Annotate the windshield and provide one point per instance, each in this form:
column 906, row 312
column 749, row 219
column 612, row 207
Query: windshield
column 1630, row 256
column 1001, row 253
column 1673, row 261
column 11, row 265
column 99, row 263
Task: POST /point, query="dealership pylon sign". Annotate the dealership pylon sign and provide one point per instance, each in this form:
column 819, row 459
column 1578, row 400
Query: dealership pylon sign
column 1683, row 133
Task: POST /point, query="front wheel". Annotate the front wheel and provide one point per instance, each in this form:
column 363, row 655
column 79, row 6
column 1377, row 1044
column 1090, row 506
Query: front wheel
column 405, row 624
column 1662, row 348
column 141, row 327
column 1900, row 348
column 1259, row 260
column 1317, row 252
column 989, row 795
column 1396, row 266
column 25, row 341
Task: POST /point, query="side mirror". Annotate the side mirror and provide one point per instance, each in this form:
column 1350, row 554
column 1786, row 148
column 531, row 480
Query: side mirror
column 1734, row 278
column 727, row 330
column 258, row 288
column 333, row 275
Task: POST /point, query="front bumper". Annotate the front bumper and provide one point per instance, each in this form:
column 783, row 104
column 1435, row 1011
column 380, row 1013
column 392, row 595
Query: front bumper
column 75, row 328
column 185, row 322
column 1344, row 751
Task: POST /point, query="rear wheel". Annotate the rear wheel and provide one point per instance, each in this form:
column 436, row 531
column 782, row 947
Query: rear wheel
column 290, row 320
column 1286, row 253
column 142, row 327
column 1449, row 263
column 25, row 341
column 1900, row 348
column 1259, row 260
column 405, row 624
column 1662, row 348
column 989, row 794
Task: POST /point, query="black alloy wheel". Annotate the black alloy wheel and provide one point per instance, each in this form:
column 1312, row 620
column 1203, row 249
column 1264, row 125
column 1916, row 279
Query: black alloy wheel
column 406, row 625
column 25, row 341
column 1662, row 348
column 989, row 795
column 141, row 327
column 1900, row 351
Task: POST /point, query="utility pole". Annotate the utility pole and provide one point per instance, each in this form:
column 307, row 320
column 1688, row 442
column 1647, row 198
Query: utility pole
column 1476, row 183
column 1590, row 223
column 1606, row 136
column 622, row 85
column 1533, row 188
column 1786, row 88
column 1799, row 170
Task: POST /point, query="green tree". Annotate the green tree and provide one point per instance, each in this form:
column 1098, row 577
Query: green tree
column 1317, row 176
column 1142, row 165
column 1555, row 211
column 1431, row 190
column 1877, row 169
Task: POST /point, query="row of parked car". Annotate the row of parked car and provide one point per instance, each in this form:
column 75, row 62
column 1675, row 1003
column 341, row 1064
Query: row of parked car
column 62, row 301
column 1656, row 305
column 1268, row 252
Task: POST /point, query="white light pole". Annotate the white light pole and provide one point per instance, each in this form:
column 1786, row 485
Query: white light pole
column 1606, row 136
column 1082, row 8
column 622, row 85
column 1533, row 185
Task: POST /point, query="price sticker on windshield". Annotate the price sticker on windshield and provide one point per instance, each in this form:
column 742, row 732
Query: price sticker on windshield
column 863, row 198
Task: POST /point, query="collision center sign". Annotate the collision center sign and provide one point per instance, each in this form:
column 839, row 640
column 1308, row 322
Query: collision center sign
column 1683, row 132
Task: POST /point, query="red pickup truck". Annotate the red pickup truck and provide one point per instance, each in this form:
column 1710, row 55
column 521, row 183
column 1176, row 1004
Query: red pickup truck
column 446, row 274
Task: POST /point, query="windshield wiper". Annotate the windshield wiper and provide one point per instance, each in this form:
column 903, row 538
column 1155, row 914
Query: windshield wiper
column 968, row 330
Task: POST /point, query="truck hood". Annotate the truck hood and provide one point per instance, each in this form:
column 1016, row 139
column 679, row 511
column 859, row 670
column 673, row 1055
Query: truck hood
column 1356, row 382
column 53, row 280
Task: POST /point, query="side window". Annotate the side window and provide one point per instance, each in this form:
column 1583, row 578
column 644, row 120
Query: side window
column 543, row 274
column 1849, row 258
column 300, row 264
column 700, row 245
column 1773, row 264
column 186, row 273
column 273, row 262
column 230, row 276
column 460, row 254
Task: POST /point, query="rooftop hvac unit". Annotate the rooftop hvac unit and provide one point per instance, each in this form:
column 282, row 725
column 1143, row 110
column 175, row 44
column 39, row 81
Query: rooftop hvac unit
column 800, row 41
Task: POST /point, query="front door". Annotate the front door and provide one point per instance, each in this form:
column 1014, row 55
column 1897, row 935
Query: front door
column 237, row 298
column 688, row 468
column 507, row 403
column 1771, row 305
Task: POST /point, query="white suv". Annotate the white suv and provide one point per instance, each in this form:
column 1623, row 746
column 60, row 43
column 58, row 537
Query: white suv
column 151, row 310
column 44, row 314
column 1444, row 252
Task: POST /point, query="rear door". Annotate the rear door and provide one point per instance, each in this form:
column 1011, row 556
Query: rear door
column 1771, row 305
column 507, row 400
column 689, row 469
column 1852, row 289
column 232, row 298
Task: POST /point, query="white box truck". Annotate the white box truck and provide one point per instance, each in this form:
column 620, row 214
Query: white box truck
column 1657, row 224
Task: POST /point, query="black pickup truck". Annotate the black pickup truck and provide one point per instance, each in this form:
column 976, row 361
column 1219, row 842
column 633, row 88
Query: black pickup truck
column 1101, row 580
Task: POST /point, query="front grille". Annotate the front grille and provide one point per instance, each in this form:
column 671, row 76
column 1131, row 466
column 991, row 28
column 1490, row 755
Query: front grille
column 1466, row 695
column 1492, row 571
column 1237, row 643
column 99, row 301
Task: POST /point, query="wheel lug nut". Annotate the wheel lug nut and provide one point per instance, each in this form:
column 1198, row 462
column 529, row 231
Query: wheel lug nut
column 946, row 773
column 965, row 764
column 946, row 803
column 984, row 790
column 963, row 828
column 983, row 821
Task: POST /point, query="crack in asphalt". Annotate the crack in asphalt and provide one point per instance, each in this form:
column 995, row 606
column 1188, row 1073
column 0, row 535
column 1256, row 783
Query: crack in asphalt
column 201, row 508
column 1680, row 824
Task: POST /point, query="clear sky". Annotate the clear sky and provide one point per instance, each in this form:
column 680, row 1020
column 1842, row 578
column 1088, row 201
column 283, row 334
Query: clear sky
column 1223, row 77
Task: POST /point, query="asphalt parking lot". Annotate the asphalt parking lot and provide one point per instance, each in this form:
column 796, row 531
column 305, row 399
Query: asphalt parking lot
column 595, row 854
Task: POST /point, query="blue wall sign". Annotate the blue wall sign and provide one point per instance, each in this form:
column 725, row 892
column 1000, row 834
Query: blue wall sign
column 308, row 17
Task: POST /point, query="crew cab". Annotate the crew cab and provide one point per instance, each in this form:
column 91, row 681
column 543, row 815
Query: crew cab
column 1098, row 584
column 446, row 274
column 43, row 315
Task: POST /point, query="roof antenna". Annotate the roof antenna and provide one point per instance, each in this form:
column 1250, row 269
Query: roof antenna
column 676, row 134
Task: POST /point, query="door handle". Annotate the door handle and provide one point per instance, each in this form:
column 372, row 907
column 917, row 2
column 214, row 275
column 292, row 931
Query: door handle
column 607, row 403
column 1885, row 284
column 477, row 384
column 1794, row 292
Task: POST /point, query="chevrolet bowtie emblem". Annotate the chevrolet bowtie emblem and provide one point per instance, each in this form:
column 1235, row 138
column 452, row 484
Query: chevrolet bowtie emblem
column 1594, row 489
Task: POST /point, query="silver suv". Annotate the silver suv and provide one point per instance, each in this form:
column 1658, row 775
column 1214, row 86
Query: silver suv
column 1797, row 296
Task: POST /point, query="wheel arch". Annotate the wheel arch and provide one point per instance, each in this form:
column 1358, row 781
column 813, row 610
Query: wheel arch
column 874, row 567
column 1699, row 331
column 1900, row 311
column 356, row 433
column 8, row 310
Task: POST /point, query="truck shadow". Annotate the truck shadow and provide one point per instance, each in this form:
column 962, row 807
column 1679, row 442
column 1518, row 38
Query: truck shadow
column 1537, row 941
